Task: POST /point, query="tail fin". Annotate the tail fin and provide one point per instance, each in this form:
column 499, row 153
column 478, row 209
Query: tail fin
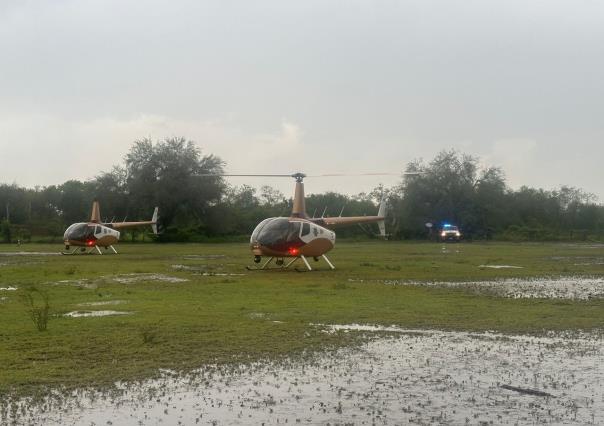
column 95, row 216
column 154, row 220
column 381, row 223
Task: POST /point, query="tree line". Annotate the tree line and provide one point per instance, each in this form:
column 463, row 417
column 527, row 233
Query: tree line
column 197, row 205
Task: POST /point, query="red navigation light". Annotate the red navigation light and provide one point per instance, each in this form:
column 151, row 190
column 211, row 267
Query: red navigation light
column 89, row 242
column 293, row 251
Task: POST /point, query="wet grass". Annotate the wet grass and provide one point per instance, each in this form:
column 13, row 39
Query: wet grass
column 216, row 318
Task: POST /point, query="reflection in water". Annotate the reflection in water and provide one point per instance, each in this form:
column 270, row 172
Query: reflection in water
column 398, row 377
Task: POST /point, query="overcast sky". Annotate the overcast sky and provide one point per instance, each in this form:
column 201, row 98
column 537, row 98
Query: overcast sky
column 316, row 86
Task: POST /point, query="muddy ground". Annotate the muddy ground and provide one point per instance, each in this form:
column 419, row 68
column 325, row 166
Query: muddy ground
column 398, row 376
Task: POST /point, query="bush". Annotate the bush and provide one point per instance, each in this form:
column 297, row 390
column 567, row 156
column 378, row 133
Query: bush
column 37, row 306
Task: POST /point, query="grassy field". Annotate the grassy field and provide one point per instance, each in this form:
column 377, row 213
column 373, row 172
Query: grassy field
column 223, row 313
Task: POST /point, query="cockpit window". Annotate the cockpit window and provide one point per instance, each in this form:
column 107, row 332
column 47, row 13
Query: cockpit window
column 79, row 232
column 277, row 232
column 274, row 232
column 293, row 231
column 258, row 228
column 305, row 229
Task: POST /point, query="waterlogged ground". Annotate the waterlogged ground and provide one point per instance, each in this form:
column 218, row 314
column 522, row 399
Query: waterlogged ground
column 184, row 307
column 577, row 288
column 398, row 376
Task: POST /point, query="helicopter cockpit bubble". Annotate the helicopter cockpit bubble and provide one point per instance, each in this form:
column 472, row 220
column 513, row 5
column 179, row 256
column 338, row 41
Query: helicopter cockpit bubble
column 258, row 228
column 276, row 231
column 78, row 232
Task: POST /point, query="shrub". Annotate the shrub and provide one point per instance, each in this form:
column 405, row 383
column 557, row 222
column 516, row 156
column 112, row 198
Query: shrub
column 37, row 306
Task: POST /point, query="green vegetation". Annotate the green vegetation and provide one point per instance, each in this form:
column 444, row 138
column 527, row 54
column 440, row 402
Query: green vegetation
column 216, row 317
column 195, row 207
column 36, row 305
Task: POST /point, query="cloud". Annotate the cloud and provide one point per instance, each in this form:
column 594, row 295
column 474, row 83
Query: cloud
column 46, row 149
column 516, row 156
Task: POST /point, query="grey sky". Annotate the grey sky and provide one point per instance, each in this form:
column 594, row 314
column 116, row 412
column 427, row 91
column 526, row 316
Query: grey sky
column 319, row 86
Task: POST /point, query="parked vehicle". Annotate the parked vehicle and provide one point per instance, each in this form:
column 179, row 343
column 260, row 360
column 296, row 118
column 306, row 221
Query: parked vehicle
column 449, row 232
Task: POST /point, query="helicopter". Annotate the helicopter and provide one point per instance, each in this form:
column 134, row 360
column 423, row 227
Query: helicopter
column 299, row 237
column 87, row 237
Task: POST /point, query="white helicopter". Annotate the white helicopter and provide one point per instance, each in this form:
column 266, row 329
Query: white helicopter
column 87, row 237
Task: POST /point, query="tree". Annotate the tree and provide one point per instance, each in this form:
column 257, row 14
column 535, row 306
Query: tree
column 169, row 174
column 444, row 191
column 75, row 201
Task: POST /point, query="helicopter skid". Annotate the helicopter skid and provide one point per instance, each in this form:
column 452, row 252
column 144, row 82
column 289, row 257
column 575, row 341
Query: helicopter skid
column 92, row 250
column 281, row 265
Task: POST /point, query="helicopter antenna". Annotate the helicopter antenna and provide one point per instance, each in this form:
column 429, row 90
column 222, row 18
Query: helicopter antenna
column 324, row 211
column 314, row 213
column 342, row 211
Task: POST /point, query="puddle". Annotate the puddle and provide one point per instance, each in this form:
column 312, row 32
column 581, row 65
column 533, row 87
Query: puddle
column 576, row 288
column 104, row 303
column 203, row 256
column 189, row 268
column 133, row 278
column 587, row 246
column 579, row 260
column 8, row 288
column 220, row 274
column 19, row 263
column 417, row 376
column 501, row 266
column 82, row 282
column 83, row 314
column 203, row 271
column 3, row 299
column 122, row 279
column 28, row 253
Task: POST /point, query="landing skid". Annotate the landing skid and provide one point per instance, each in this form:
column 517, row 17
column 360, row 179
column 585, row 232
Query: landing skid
column 281, row 265
column 82, row 251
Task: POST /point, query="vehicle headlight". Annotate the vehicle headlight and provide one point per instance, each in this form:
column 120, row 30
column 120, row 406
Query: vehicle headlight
column 443, row 234
column 457, row 234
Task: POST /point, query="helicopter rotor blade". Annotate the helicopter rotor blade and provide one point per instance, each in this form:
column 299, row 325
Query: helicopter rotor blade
column 364, row 174
column 300, row 176
column 353, row 174
column 238, row 175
